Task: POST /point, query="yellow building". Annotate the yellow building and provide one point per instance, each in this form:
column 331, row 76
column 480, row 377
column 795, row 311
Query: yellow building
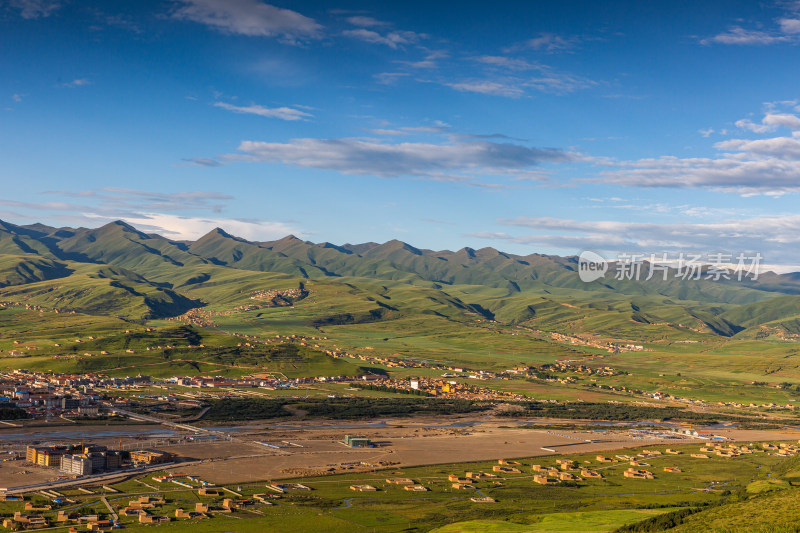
column 150, row 457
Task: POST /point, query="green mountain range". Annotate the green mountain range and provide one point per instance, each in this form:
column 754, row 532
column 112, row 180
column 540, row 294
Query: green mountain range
column 119, row 271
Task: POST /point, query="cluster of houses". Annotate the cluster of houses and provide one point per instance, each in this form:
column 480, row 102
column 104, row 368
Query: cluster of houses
column 548, row 475
column 147, row 509
column 204, row 318
column 280, row 294
column 266, row 381
column 768, row 405
column 32, row 520
column 38, row 308
column 443, row 388
column 408, row 485
column 783, row 449
column 570, row 470
column 43, row 394
column 579, row 368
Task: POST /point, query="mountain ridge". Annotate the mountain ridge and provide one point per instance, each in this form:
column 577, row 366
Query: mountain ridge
column 163, row 277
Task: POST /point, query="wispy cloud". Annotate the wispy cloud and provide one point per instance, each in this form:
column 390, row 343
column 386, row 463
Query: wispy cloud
column 450, row 161
column 775, row 237
column 249, row 17
column 550, row 42
column 282, row 113
column 785, row 30
column 202, row 162
column 439, row 222
column 118, row 198
column 366, row 22
column 437, row 127
column 79, row 82
column 497, row 88
column 121, row 21
column 43, row 206
column 384, row 131
column 514, row 77
column 18, row 97
column 510, row 63
column 741, row 36
column 393, row 39
column 33, row 9
column 390, row 78
column 430, row 60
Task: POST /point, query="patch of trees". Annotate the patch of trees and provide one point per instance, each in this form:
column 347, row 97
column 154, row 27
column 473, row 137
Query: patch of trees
column 337, row 408
column 659, row 523
column 246, row 409
column 607, row 411
column 384, row 388
column 12, row 413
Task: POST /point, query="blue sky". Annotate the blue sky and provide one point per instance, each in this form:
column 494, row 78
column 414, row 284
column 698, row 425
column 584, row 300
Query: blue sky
column 548, row 127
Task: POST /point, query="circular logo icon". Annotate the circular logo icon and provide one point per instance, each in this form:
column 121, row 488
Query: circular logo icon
column 591, row 266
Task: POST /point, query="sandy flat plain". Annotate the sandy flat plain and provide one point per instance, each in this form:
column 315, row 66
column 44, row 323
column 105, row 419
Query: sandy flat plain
column 315, row 447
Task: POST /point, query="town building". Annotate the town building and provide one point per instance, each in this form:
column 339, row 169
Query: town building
column 357, row 441
column 77, row 465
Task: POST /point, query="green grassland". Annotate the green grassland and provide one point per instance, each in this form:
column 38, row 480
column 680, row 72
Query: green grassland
column 782, row 515
column 164, row 352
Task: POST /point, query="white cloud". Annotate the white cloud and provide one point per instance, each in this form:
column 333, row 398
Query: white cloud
column 784, row 148
column 786, row 30
column 786, row 120
column 790, row 25
column 429, row 160
column 771, row 122
column 487, row 87
column 706, row 132
column 745, row 166
column 33, row 9
column 392, row 39
column 741, row 36
column 430, row 60
column 80, row 82
column 550, row 42
column 507, row 62
column 747, row 124
column 17, row 97
column 283, row 113
column 249, row 17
